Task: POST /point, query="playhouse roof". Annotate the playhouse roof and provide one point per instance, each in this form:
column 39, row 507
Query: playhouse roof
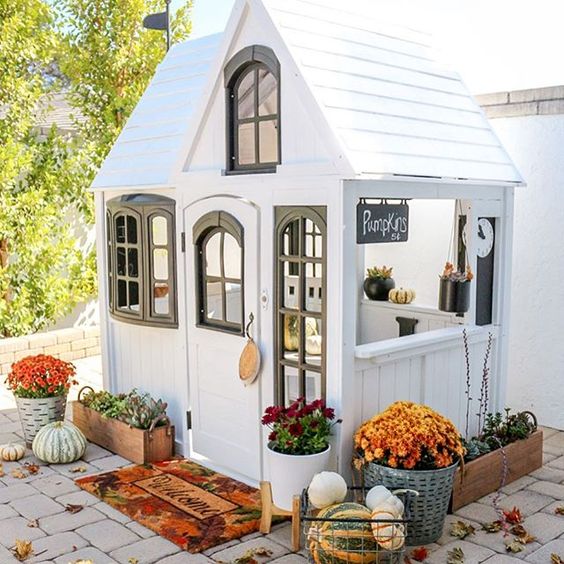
column 392, row 109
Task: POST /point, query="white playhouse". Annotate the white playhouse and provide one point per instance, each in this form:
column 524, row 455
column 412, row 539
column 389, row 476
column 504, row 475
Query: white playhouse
column 233, row 192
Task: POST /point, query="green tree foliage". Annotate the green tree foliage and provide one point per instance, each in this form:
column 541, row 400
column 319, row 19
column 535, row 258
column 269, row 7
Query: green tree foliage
column 109, row 59
column 43, row 272
column 97, row 52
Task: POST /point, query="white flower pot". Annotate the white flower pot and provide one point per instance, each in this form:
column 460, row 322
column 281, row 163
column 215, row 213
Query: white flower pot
column 290, row 474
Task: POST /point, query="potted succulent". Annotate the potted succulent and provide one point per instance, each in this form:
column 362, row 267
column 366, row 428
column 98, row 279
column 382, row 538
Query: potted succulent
column 454, row 290
column 40, row 385
column 378, row 283
column 133, row 425
column 298, row 446
column 412, row 446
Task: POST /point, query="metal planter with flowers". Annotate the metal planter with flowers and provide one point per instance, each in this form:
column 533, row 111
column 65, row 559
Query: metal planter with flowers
column 411, row 446
column 454, row 289
column 298, row 446
column 40, row 385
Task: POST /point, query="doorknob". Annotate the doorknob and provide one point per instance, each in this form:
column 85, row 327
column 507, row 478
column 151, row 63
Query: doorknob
column 264, row 299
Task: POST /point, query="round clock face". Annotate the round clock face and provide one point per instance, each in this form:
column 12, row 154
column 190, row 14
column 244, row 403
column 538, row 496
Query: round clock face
column 485, row 237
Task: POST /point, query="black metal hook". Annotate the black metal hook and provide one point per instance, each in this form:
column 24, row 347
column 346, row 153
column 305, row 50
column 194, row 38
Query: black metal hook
column 251, row 319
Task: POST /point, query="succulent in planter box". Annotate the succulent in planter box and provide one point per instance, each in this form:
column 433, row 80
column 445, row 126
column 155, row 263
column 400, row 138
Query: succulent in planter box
column 143, row 412
column 378, row 283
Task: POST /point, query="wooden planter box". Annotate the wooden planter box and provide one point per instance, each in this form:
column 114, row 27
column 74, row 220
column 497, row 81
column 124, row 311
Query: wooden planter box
column 137, row 445
column 482, row 476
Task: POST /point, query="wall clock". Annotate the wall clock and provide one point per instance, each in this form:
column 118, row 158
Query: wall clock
column 486, row 235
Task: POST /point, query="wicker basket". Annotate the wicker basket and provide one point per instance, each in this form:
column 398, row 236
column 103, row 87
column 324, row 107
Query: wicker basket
column 429, row 508
column 36, row 413
column 350, row 549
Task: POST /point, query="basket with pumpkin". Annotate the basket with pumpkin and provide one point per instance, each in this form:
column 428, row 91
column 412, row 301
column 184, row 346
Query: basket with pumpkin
column 352, row 524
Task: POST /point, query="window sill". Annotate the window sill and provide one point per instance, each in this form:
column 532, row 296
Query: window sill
column 239, row 172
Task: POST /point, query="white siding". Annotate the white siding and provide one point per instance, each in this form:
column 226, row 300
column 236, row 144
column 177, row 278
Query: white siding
column 433, row 374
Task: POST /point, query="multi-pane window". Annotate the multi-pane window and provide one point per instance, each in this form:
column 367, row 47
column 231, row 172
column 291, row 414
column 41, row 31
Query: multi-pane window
column 218, row 241
column 140, row 259
column 300, row 303
column 253, row 113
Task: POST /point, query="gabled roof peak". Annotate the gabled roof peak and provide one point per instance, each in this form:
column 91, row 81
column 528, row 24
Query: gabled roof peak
column 389, row 107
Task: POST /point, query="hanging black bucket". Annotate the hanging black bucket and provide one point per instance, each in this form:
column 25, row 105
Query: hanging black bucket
column 454, row 296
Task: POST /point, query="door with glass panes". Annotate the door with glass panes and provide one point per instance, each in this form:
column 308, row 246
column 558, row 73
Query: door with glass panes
column 300, row 310
column 222, row 283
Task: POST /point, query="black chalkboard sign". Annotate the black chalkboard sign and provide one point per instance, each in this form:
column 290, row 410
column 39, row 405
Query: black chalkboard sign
column 382, row 223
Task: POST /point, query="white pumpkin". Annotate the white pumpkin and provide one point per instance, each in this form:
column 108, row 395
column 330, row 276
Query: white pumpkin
column 390, row 536
column 327, row 488
column 12, row 452
column 380, row 497
column 59, row 443
column 313, row 344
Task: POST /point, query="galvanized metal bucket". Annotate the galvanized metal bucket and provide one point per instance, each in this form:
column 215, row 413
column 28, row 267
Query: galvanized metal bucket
column 429, row 508
column 36, row 413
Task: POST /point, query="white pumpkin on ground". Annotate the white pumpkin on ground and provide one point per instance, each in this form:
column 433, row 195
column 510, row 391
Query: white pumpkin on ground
column 59, row 443
column 380, row 497
column 326, row 488
column 12, row 452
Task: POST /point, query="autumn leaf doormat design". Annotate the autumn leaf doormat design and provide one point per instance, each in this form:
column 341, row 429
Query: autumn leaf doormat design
column 192, row 506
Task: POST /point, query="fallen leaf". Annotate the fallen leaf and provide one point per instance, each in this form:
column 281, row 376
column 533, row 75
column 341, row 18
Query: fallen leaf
column 18, row 474
column 513, row 546
column 419, row 554
column 461, row 530
column 555, row 559
column 32, row 468
column 493, row 527
column 132, row 560
column 514, row 516
column 78, row 469
column 249, row 556
column 455, row 556
column 558, row 510
column 23, row 549
column 83, row 562
column 526, row 538
column 72, row 508
column 34, row 523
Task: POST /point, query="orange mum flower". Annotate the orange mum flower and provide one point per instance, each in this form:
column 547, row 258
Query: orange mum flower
column 409, row 436
column 41, row 376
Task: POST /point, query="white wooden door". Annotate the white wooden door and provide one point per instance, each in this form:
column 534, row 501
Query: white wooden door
column 225, row 413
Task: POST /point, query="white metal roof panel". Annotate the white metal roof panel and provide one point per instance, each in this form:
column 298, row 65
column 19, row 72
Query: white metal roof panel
column 149, row 145
column 394, row 109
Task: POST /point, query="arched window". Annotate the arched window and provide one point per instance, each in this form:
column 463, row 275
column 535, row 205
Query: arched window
column 252, row 80
column 300, row 303
column 141, row 259
column 218, row 241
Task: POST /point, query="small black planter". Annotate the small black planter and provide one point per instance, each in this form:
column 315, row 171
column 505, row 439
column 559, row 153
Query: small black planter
column 454, row 297
column 378, row 288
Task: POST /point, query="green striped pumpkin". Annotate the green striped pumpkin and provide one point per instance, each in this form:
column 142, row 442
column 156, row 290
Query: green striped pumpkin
column 59, row 443
column 338, row 542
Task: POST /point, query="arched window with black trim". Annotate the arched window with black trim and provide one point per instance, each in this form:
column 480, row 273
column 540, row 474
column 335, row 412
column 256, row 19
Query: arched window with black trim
column 252, row 80
column 141, row 259
column 218, row 243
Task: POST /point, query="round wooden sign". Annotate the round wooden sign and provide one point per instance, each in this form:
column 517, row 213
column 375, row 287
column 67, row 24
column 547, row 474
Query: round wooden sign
column 249, row 363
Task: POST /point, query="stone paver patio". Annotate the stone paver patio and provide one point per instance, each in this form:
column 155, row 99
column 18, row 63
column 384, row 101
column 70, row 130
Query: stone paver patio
column 103, row 535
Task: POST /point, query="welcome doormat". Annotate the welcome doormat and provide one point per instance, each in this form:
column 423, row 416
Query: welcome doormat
column 192, row 506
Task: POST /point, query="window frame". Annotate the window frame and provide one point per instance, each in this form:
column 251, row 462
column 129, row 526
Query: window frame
column 144, row 207
column 284, row 216
column 204, row 229
column 249, row 59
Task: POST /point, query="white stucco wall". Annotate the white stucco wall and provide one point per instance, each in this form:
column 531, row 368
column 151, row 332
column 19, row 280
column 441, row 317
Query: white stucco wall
column 536, row 350
column 419, row 261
